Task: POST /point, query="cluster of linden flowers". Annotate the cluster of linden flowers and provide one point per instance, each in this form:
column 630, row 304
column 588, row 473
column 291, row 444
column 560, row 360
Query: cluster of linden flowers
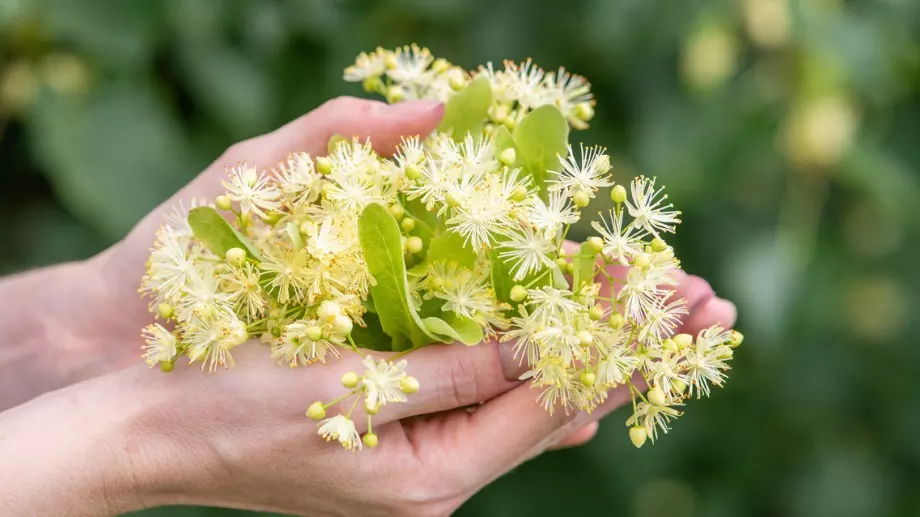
column 457, row 237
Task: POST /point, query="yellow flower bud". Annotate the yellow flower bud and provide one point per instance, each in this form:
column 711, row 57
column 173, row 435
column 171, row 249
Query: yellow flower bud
column 588, row 378
column 316, row 411
column 342, row 325
column 408, row 385
column 328, row 310
column 350, row 380
column 518, row 293
column 642, row 260
column 507, row 156
column 616, row 320
column 596, row 313
column 618, row 194
column 737, row 339
column 656, row 397
column 371, row 84
column 167, row 366
column 223, row 202
column 683, row 340
column 408, row 224
column 584, row 111
column 414, row 244
column 370, row 440
column 456, row 80
column 669, row 345
column 397, row 211
column 638, row 435
column 596, row 244
column 413, row 172
column 165, row 310
column 585, row 338
column 235, row 256
column 658, row 244
column 562, row 263
column 371, row 410
column 679, row 387
column 581, row 199
column 314, row 333
column 323, row 165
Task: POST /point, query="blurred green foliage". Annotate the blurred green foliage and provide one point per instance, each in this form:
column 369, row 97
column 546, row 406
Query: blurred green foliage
column 786, row 131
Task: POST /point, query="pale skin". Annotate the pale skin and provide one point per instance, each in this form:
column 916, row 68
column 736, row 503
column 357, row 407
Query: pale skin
column 117, row 436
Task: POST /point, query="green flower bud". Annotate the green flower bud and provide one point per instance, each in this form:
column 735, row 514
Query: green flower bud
column 316, row 411
column 370, row 440
column 314, row 333
column 618, row 194
column 414, row 244
column 508, row 156
column 596, row 244
column 658, row 244
column 562, row 263
column 395, row 95
column 397, row 211
column 737, row 339
column 408, row 224
column 581, row 199
column 656, row 397
column 165, row 310
column 350, row 380
column 167, row 366
column 440, row 65
column 638, row 435
column 235, row 256
column 456, row 80
column 518, row 293
column 408, row 385
column 371, row 410
column 596, row 313
column 588, row 378
column 223, row 202
column 413, row 172
column 679, row 387
column 272, row 217
column 616, row 320
column 371, row 84
column 323, row 164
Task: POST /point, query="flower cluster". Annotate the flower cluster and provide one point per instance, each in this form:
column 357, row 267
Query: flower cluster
column 457, row 237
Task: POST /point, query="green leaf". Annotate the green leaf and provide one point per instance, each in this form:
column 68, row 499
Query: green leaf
column 466, row 111
column 584, row 267
column 540, row 136
column 381, row 242
column 372, row 337
column 459, row 329
column 217, row 234
column 502, row 277
column 451, row 246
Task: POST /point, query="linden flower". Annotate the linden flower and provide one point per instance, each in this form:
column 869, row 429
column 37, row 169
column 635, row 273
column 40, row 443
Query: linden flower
column 306, row 342
column 553, row 216
column 591, row 175
column 367, row 66
column 252, row 190
column 648, row 207
column 569, row 91
column 160, row 344
column 620, row 244
column 527, row 251
column 410, row 66
column 343, row 429
column 381, row 382
column 211, row 339
column 299, row 180
column 171, row 266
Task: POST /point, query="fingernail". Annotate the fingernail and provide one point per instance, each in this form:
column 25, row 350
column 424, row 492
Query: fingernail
column 512, row 367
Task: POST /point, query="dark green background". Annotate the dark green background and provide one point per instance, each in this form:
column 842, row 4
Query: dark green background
column 110, row 105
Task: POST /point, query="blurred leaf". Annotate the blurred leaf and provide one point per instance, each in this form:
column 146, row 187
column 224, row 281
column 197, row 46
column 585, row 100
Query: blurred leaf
column 540, row 137
column 466, row 111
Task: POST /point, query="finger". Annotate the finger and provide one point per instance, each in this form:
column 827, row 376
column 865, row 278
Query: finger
column 454, row 376
column 510, row 429
column 579, row 437
column 714, row 311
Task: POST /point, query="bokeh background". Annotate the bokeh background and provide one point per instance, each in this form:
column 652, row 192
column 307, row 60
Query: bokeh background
column 787, row 131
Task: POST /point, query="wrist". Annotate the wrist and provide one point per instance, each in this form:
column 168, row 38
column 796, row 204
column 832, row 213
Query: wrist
column 89, row 449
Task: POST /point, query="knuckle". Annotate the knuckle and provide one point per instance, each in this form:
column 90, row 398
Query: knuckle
column 459, row 372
